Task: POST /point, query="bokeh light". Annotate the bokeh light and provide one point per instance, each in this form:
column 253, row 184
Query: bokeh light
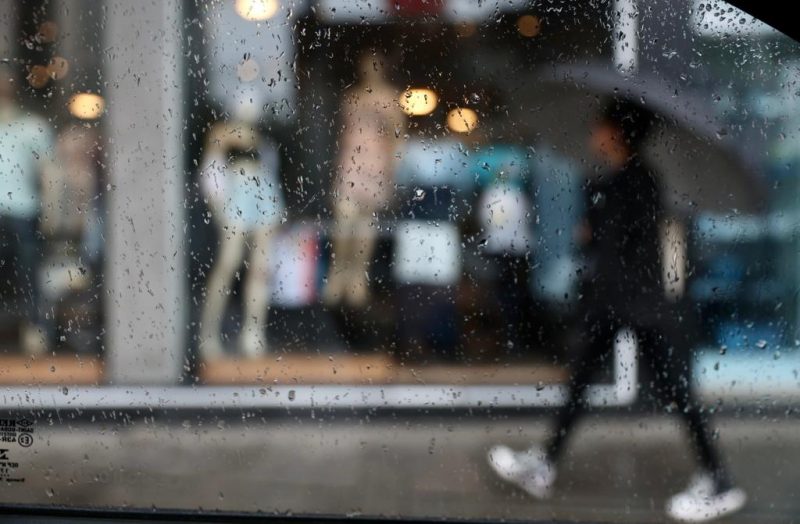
column 418, row 101
column 86, row 106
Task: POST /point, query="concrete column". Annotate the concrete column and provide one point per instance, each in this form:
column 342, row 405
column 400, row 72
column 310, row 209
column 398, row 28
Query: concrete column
column 626, row 35
column 145, row 276
column 8, row 29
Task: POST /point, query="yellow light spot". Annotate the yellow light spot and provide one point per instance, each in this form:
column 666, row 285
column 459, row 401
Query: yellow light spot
column 256, row 10
column 47, row 32
column 86, row 106
column 38, row 76
column 529, row 25
column 462, row 120
column 418, row 101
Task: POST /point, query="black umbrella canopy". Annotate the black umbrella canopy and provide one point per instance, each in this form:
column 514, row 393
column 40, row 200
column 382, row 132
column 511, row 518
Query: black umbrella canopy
column 701, row 165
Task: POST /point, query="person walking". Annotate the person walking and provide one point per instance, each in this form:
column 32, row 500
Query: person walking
column 622, row 287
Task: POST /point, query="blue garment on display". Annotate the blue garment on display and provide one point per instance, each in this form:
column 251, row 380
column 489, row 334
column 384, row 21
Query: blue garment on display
column 24, row 140
column 502, row 163
column 249, row 199
column 435, row 163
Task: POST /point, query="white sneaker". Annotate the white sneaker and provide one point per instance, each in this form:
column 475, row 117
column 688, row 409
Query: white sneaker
column 530, row 469
column 700, row 503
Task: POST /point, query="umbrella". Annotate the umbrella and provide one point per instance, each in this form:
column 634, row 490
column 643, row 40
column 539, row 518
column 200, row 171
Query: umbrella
column 701, row 164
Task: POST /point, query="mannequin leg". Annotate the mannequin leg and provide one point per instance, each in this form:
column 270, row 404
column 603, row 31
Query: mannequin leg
column 343, row 248
column 229, row 255
column 253, row 340
column 362, row 250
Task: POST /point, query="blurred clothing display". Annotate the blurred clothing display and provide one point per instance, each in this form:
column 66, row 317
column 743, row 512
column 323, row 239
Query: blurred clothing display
column 372, row 125
column 26, row 143
column 428, row 252
column 239, row 177
column 296, row 267
column 248, row 196
column 443, row 162
column 504, row 211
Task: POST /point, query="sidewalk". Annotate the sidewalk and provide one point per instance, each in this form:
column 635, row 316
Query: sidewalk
column 616, row 469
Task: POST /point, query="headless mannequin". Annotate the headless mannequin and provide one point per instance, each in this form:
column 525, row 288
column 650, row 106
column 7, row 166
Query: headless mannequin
column 373, row 122
column 246, row 205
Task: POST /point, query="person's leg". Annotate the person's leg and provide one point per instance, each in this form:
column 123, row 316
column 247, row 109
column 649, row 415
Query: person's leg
column 257, row 291
column 512, row 287
column 672, row 380
column 230, row 251
column 599, row 333
column 534, row 469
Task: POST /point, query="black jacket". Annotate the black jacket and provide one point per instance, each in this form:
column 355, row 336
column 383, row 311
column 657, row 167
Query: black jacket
column 623, row 269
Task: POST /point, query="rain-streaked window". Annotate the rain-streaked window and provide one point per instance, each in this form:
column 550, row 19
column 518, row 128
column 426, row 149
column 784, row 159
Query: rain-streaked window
column 399, row 258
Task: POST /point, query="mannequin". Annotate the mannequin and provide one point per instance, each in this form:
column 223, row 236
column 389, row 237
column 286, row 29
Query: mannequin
column 239, row 179
column 373, row 124
column 26, row 181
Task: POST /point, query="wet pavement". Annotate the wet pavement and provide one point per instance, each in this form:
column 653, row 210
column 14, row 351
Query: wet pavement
column 617, row 468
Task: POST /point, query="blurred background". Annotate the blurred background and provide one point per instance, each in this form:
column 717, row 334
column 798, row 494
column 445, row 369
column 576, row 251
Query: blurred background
column 492, row 102
column 335, row 203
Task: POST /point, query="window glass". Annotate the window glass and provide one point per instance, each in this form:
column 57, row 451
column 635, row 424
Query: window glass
column 419, row 258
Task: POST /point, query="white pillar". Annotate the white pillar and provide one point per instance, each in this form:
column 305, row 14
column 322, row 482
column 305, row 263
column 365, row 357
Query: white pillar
column 626, row 35
column 145, row 276
column 8, row 28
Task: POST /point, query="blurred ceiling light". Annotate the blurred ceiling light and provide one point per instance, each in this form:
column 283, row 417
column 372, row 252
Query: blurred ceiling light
column 418, row 101
column 86, row 106
column 256, row 10
column 47, row 33
column 58, row 68
column 462, row 120
column 529, row 25
column 38, row 76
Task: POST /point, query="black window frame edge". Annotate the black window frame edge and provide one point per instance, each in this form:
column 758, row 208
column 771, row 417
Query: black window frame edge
column 43, row 514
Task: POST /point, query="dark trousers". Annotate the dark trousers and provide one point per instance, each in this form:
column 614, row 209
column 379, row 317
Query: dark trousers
column 514, row 301
column 21, row 250
column 671, row 377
